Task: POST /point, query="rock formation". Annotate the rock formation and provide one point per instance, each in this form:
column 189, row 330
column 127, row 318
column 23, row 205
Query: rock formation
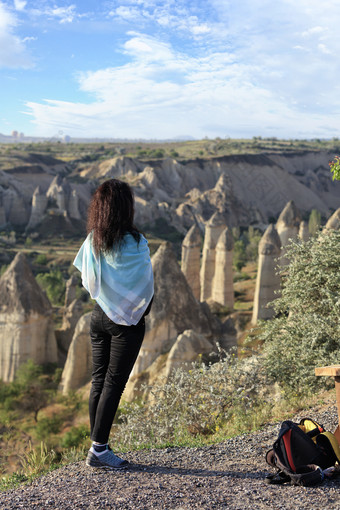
column 78, row 366
column 287, row 227
column 191, row 259
column 267, row 282
column 185, row 350
column 334, row 221
column 64, row 335
column 18, row 212
column 26, row 327
column 39, row 204
column 175, row 310
column 213, row 230
column 304, row 231
column 223, row 285
column 70, row 290
column 73, row 206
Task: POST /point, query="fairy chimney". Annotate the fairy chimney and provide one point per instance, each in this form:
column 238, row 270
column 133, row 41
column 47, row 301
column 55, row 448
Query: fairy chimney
column 173, row 311
column 39, row 204
column 267, row 282
column 287, row 227
column 213, row 230
column 333, row 222
column 304, row 231
column 191, row 259
column 73, row 206
column 26, row 327
column 223, row 286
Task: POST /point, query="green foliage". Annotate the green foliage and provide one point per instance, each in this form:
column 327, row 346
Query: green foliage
column 54, row 285
column 75, row 436
column 31, row 390
column 239, row 256
column 41, row 259
column 11, row 482
column 306, row 330
column 314, row 222
column 48, row 425
column 37, row 460
column 195, row 402
column 335, row 168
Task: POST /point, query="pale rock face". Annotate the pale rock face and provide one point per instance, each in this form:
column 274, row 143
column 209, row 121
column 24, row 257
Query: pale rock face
column 26, row 327
column 287, row 227
column 61, row 199
column 39, row 205
column 188, row 346
column 223, row 285
column 267, row 281
column 191, row 259
column 334, row 221
column 72, row 313
column 304, row 231
column 78, row 366
column 70, row 291
column 213, row 230
column 174, row 310
column 73, row 206
column 288, row 223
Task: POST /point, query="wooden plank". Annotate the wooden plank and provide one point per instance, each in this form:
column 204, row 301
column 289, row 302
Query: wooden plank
column 333, row 370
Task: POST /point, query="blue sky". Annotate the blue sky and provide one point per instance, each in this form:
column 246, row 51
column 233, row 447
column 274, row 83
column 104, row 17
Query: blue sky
column 151, row 69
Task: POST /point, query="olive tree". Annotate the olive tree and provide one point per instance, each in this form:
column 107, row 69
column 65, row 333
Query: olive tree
column 305, row 332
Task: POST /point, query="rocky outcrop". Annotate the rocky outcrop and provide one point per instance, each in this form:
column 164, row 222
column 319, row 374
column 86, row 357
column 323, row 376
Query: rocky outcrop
column 333, row 222
column 191, row 259
column 71, row 314
column 223, row 285
column 78, row 366
column 188, row 346
column 73, row 206
column 18, row 213
column 26, row 327
column 39, row 204
column 287, row 227
column 304, row 231
column 213, row 230
column 174, row 310
column 267, row 282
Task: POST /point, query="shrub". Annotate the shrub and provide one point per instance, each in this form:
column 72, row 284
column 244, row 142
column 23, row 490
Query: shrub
column 306, row 330
column 193, row 403
column 75, row 436
column 41, row 259
column 54, row 285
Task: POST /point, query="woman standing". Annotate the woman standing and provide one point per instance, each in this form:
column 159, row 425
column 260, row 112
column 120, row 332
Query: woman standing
column 115, row 264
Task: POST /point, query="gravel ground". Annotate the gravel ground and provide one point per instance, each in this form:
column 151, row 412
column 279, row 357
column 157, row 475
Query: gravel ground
column 228, row 475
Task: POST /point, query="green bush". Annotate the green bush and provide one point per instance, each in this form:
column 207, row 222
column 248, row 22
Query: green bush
column 41, row 259
column 306, row 330
column 75, row 436
column 47, row 426
column 191, row 403
column 54, row 285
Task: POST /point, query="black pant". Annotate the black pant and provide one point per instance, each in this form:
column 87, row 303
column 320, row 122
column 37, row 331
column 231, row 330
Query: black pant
column 114, row 351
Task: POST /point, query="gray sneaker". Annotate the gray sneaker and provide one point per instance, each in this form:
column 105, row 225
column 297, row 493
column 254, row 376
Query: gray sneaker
column 107, row 460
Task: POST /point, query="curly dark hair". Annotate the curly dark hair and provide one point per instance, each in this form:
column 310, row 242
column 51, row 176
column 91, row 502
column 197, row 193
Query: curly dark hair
column 110, row 215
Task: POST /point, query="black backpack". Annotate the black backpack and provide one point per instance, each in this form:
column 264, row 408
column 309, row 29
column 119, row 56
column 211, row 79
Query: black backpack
column 303, row 454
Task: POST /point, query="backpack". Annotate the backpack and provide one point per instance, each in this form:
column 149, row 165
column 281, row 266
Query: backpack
column 304, row 453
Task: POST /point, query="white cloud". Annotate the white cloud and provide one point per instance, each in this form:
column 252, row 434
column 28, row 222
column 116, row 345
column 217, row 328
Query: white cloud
column 13, row 52
column 20, row 5
column 65, row 14
column 245, row 68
